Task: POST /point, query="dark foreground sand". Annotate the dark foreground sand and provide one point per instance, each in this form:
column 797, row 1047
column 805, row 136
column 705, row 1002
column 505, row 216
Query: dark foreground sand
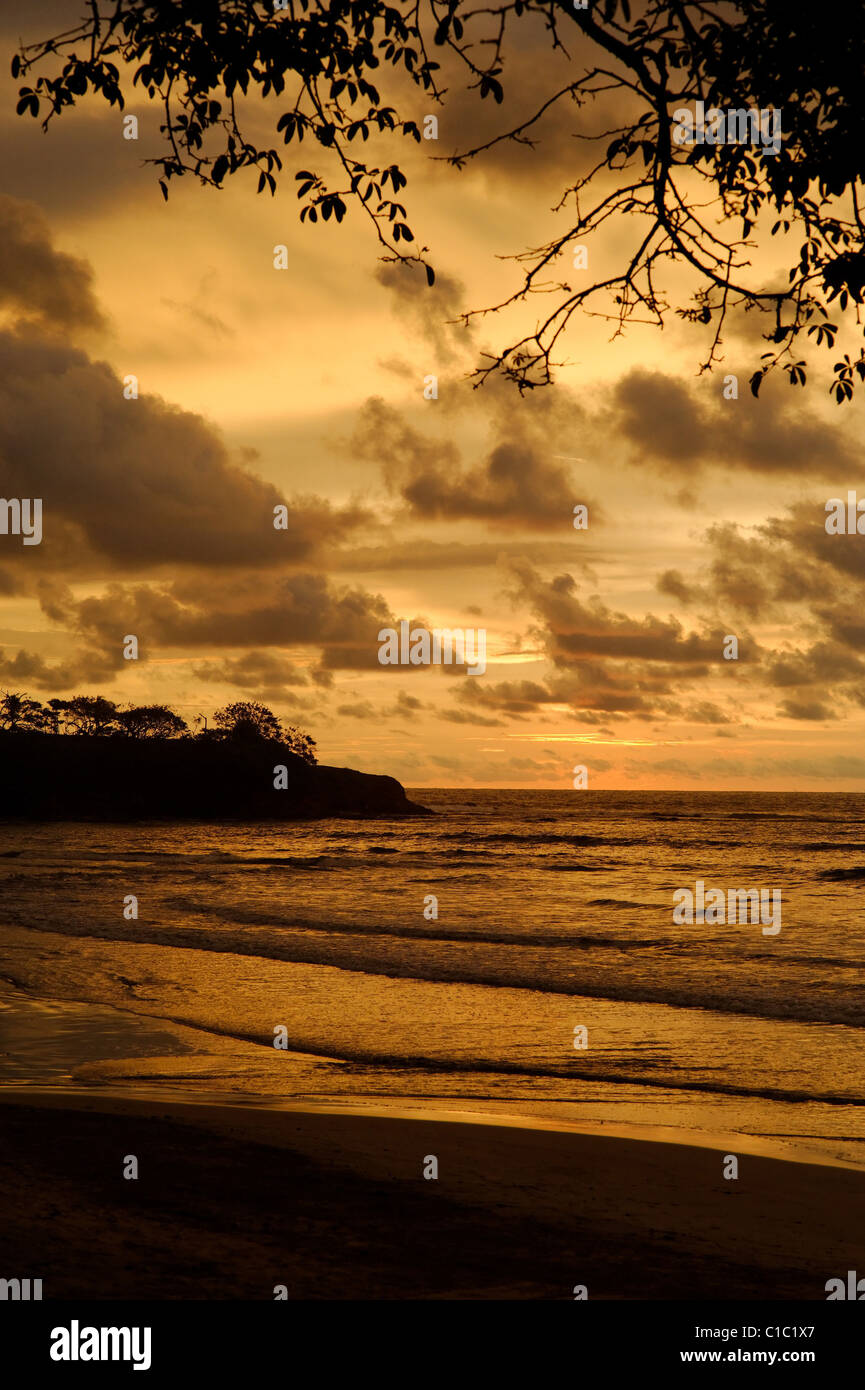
column 231, row 1202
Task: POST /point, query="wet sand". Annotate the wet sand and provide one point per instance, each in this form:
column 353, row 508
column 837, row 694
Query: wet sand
column 331, row 1202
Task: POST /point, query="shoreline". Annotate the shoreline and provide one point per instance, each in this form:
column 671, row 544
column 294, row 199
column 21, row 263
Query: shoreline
column 331, row 1202
column 216, row 1106
column 81, row 1053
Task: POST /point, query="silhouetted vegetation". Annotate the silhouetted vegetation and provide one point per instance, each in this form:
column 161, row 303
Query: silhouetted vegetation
column 85, row 759
column 704, row 207
column 93, row 716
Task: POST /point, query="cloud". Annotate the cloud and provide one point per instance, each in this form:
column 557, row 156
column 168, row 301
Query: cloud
column 517, row 484
column 126, row 484
column 574, row 631
column 461, row 716
column 705, row 712
column 549, row 154
column 807, row 709
column 261, row 674
column 143, row 482
column 245, row 610
column 37, row 282
column 407, row 706
column 671, row 426
column 88, row 666
column 362, row 710
column 429, row 308
column 809, row 586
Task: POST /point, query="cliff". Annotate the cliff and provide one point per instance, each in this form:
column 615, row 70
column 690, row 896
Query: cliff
column 69, row 777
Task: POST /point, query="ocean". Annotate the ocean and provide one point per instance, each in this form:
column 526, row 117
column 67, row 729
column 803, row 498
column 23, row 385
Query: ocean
column 553, row 913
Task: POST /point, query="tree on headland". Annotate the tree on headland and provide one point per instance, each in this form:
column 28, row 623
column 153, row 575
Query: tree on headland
column 149, row 721
column 246, row 720
column 19, row 712
column 87, row 714
column 93, row 716
column 703, row 207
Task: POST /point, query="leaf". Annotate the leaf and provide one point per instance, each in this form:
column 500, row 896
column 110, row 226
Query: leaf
column 754, row 383
column 430, row 275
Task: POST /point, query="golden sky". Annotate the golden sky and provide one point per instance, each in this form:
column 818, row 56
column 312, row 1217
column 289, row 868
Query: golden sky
column 305, row 386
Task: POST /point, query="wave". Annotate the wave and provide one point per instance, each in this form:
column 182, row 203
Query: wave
column 569, row 980
column 575, row 868
column 508, row 837
column 615, row 902
column 432, row 1066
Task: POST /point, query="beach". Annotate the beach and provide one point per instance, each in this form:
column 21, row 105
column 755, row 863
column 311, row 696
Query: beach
column 285, row 1044
column 233, row 1202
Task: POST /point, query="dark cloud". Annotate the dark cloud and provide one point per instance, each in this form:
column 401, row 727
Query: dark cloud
column 431, row 309
column 362, row 710
column 674, row 585
column 609, row 663
column 518, row 483
column 758, row 573
column 557, row 149
column 262, row 674
column 462, row 716
column 821, row 664
column 574, row 630
column 246, row 610
column 514, row 698
column 82, row 163
column 802, row 534
column 140, row 482
column 791, row 574
column 670, row 425
column 126, row 485
column 705, row 712
column 407, row 705
column 86, row 667
column 806, row 709
column 37, row 282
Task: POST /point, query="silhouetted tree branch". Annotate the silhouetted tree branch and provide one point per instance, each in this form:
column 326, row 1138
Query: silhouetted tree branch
column 328, row 56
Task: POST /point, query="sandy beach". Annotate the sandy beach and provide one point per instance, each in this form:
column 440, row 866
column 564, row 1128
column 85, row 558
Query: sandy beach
column 332, row 1203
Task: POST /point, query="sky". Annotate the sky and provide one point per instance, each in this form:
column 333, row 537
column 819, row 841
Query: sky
column 304, row 387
